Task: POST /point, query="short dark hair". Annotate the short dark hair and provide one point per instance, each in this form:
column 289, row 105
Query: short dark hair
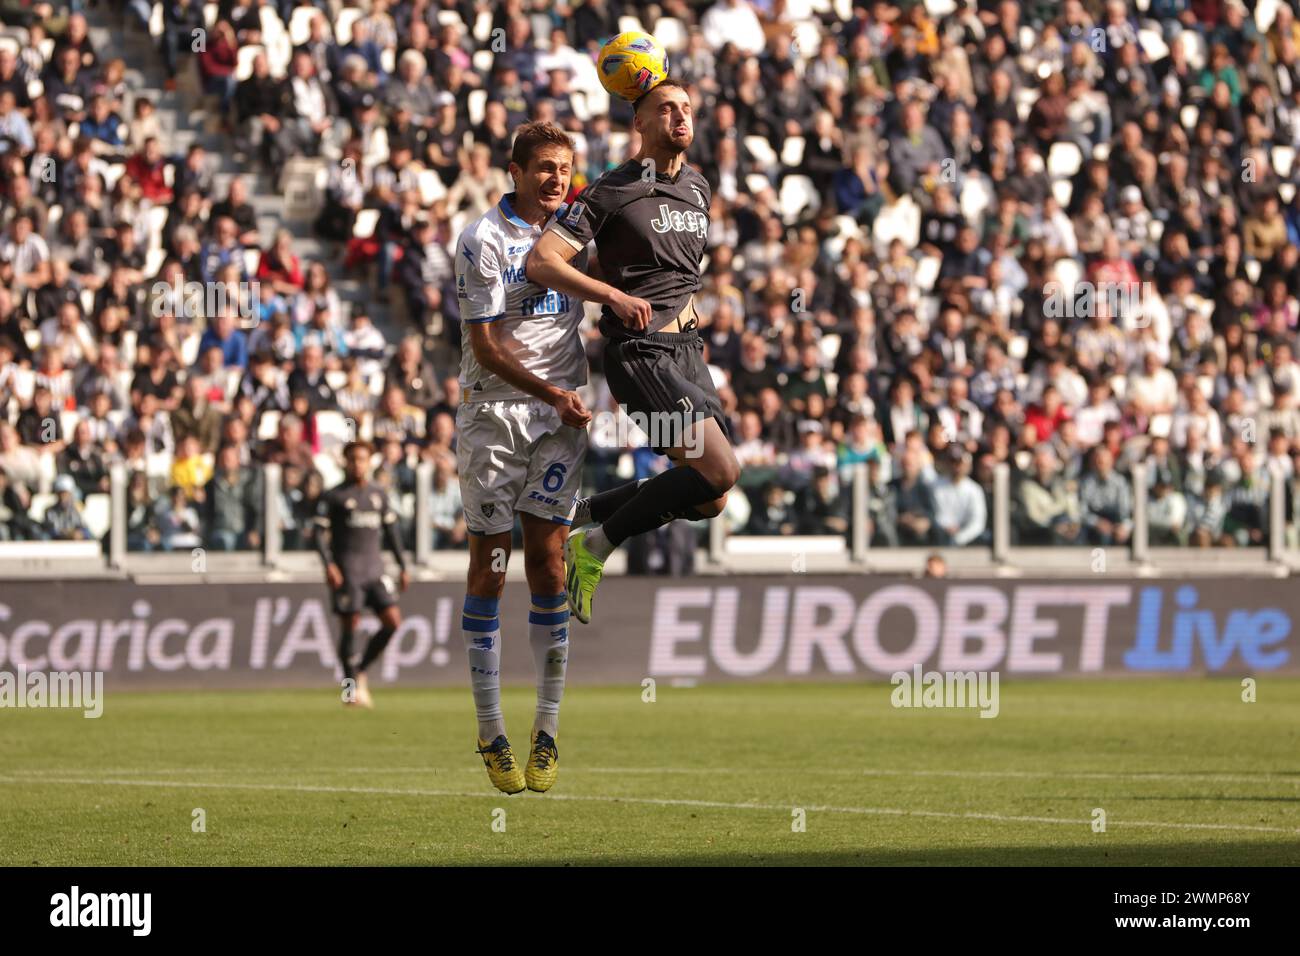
column 362, row 445
column 531, row 137
column 661, row 85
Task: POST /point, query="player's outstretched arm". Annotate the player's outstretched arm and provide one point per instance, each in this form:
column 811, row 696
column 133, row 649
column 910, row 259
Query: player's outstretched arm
column 320, row 537
column 548, row 265
column 394, row 541
column 484, row 340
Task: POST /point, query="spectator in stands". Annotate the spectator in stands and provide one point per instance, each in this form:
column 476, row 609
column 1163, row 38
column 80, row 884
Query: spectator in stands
column 772, row 514
column 63, row 521
column 446, row 510
column 217, row 61
column 960, row 516
column 1047, row 513
column 84, row 462
column 1107, row 501
column 280, row 268
column 821, row 508
column 308, row 378
column 1167, row 513
column 232, row 504
column 177, row 521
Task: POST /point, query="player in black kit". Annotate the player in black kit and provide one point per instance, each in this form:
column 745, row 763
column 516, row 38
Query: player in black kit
column 350, row 521
column 649, row 219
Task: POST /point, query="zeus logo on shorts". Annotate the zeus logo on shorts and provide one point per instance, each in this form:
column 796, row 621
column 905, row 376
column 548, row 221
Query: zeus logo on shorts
column 678, row 221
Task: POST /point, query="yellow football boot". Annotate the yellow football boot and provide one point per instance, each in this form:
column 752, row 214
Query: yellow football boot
column 502, row 769
column 543, row 762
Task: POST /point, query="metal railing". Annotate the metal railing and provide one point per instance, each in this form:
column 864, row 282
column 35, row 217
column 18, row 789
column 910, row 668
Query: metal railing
column 725, row 552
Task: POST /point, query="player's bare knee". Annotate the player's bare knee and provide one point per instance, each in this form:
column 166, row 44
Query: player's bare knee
column 485, row 582
column 711, row 509
column 721, row 472
column 545, row 574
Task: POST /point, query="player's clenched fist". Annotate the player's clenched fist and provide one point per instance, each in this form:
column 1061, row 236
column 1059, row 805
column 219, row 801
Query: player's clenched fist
column 634, row 312
column 572, row 411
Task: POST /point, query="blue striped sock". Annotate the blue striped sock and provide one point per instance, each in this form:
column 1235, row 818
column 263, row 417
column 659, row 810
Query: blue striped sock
column 548, row 633
column 480, row 625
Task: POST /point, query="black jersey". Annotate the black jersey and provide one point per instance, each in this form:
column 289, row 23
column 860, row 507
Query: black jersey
column 650, row 236
column 352, row 523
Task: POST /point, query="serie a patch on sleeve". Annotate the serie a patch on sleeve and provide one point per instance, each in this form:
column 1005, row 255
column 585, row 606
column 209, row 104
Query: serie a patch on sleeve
column 574, row 215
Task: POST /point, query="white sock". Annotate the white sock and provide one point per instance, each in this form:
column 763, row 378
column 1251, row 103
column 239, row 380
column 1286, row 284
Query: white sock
column 548, row 633
column 481, row 629
column 597, row 543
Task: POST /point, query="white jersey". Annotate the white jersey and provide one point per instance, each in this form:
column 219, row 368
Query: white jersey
column 541, row 326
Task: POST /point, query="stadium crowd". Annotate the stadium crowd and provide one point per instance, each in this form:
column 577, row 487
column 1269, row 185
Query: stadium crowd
column 945, row 236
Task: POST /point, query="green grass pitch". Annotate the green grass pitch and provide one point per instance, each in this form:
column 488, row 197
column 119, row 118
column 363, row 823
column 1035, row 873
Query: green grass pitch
column 1185, row 771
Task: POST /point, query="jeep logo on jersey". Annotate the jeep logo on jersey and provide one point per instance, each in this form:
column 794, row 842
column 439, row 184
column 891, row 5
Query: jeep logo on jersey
column 678, row 221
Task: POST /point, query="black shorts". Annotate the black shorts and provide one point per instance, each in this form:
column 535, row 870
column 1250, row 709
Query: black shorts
column 376, row 593
column 662, row 383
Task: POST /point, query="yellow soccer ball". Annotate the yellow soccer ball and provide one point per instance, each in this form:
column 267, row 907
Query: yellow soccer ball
column 631, row 64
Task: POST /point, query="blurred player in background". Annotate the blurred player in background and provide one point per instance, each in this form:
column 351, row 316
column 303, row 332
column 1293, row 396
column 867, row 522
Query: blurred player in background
column 350, row 521
column 522, row 440
column 649, row 219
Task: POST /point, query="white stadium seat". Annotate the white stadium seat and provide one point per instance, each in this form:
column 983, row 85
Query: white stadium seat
column 97, row 513
column 343, row 24
column 899, row 220
column 1265, row 14
column 792, row 152
column 268, row 425
column 40, row 504
column 799, row 198
column 1283, row 160
column 477, row 106
column 1068, row 274
column 1195, row 47
column 1153, row 45
column 483, row 26
column 927, row 272
column 300, row 24
column 244, row 64
column 333, row 429
column 976, row 197
column 68, row 420
column 761, row 150
column 671, row 33
column 364, row 227
column 431, row 187
column 1063, row 160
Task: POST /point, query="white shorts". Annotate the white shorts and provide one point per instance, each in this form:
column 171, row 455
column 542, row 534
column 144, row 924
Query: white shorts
column 516, row 455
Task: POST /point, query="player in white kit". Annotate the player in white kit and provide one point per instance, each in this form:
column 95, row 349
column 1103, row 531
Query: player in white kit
column 521, row 441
